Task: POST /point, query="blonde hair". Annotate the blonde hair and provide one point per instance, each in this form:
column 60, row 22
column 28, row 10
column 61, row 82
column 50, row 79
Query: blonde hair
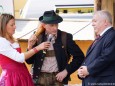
column 4, row 19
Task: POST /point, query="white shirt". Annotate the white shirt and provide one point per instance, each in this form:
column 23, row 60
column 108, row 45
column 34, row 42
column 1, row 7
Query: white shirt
column 105, row 30
column 8, row 49
column 50, row 63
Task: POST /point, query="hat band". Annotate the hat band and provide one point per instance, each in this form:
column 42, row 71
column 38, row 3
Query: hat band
column 49, row 18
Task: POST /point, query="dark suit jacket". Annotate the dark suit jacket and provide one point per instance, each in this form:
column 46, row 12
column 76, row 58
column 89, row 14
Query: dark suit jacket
column 62, row 58
column 100, row 61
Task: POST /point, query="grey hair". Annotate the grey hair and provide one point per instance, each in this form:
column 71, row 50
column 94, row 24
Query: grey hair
column 105, row 14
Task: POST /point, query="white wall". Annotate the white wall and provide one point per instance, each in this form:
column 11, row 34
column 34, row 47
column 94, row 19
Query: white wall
column 7, row 6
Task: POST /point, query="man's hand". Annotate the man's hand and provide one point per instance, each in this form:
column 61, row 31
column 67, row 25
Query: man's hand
column 83, row 72
column 61, row 75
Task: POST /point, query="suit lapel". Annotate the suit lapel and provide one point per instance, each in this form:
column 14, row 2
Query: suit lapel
column 91, row 48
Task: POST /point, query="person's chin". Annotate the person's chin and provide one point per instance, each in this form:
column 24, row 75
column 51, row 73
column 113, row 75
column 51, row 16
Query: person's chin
column 54, row 33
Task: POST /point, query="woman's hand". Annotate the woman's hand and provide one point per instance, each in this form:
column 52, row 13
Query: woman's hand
column 43, row 46
column 31, row 41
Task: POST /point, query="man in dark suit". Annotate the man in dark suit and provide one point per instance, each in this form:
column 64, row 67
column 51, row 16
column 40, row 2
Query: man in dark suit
column 98, row 69
column 52, row 68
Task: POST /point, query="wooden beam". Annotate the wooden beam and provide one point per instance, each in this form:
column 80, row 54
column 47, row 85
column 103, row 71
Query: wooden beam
column 114, row 13
column 109, row 6
column 97, row 5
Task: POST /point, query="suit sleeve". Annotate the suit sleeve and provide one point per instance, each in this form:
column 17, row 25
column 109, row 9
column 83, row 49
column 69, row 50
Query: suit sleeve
column 77, row 54
column 106, row 57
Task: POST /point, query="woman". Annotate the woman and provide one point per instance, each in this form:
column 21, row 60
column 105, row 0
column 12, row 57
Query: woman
column 14, row 71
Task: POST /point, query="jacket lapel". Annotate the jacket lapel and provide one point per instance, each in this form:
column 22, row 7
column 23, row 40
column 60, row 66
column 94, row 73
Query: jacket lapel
column 91, row 48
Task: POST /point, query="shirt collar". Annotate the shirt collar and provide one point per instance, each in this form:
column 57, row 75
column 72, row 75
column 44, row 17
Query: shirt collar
column 48, row 34
column 105, row 30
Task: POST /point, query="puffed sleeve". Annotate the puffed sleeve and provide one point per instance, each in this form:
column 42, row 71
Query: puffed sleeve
column 7, row 50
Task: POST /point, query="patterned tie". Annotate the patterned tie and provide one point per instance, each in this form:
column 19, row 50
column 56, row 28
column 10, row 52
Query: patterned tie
column 97, row 38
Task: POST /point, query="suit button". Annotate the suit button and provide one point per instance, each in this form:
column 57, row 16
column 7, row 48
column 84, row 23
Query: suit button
column 41, row 59
column 36, row 76
column 84, row 63
column 62, row 46
column 39, row 68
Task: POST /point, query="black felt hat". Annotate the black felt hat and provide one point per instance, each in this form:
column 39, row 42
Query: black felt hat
column 50, row 17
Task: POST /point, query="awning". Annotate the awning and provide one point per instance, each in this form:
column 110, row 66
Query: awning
column 81, row 30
